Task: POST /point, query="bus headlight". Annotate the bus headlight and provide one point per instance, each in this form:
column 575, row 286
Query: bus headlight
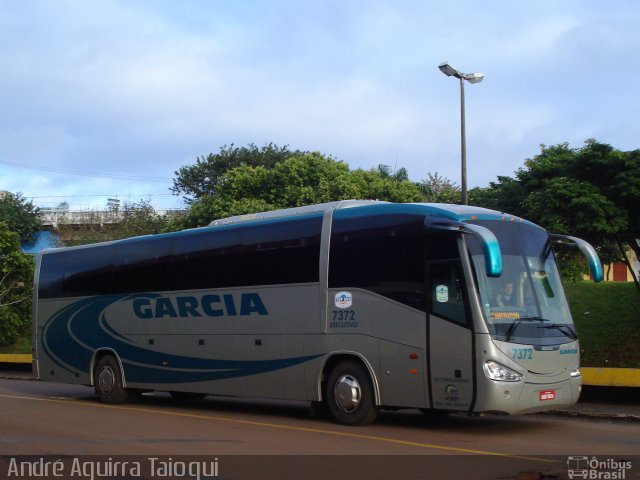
column 575, row 373
column 495, row 371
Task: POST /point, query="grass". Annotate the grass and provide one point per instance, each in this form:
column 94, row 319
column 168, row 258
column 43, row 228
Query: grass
column 23, row 345
column 607, row 318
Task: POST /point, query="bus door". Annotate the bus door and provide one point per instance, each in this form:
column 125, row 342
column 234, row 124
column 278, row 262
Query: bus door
column 449, row 328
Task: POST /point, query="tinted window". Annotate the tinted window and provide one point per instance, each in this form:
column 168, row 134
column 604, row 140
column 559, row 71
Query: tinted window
column 269, row 254
column 514, row 238
column 446, row 278
column 51, row 275
column 207, row 259
column 281, row 253
column 88, row 271
column 442, row 246
column 382, row 254
column 447, row 292
column 142, row 266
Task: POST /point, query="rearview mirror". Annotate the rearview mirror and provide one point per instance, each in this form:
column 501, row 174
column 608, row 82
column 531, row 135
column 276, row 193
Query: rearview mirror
column 595, row 267
column 490, row 245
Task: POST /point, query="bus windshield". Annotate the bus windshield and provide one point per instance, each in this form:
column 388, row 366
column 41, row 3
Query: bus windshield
column 526, row 304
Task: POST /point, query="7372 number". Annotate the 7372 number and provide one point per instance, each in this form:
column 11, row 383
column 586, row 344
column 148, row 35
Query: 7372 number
column 522, row 354
column 344, row 316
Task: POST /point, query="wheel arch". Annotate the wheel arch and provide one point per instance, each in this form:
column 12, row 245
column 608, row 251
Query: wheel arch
column 103, row 352
column 334, row 358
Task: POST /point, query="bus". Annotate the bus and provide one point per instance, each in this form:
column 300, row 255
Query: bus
column 354, row 306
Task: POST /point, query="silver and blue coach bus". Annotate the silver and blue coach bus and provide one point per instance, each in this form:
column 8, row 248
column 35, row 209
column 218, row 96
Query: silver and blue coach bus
column 361, row 305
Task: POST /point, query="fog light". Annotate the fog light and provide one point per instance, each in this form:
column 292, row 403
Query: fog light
column 575, row 373
column 495, row 371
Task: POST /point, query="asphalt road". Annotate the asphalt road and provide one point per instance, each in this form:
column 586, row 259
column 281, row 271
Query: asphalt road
column 269, row 439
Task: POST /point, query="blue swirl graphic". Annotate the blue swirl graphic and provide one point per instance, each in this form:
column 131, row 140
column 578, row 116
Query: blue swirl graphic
column 72, row 335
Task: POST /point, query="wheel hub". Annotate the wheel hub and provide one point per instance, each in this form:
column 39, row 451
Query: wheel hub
column 106, row 380
column 347, row 393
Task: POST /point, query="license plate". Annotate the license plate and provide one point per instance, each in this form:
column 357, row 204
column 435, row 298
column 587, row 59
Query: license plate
column 547, row 395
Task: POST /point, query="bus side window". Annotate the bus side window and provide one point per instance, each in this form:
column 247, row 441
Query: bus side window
column 142, row 266
column 446, row 278
column 86, row 273
column 51, row 275
column 447, row 292
column 382, row 254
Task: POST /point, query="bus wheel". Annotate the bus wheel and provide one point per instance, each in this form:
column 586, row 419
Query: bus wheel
column 349, row 394
column 108, row 382
column 187, row 396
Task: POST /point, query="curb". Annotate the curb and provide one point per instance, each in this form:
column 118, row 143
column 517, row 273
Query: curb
column 16, row 376
column 16, row 358
column 595, row 415
column 611, row 377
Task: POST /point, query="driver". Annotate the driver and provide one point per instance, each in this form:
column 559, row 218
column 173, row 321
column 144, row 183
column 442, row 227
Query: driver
column 507, row 296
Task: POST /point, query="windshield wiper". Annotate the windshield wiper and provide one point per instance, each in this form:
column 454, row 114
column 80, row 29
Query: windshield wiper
column 564, row 328
column 512, row 328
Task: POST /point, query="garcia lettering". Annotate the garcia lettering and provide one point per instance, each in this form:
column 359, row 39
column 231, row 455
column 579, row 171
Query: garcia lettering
column 203, row 306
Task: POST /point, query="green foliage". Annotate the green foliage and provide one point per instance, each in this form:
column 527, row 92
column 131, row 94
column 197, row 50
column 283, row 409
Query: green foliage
column 21, row 345
column 202, row 179
column 572, row 264
column 133, row 219
column 592, row 192
column 437, row 189
column 20, row 216
column 505, row 195
column 567, row 205
column 139, row 218
column 606, row 318
column 16, row 281
column 302, row 179
column 386, row 171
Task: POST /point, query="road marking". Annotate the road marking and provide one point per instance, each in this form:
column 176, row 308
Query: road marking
column 374, row 438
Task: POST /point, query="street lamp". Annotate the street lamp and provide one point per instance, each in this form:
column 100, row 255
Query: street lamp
column 449, row 71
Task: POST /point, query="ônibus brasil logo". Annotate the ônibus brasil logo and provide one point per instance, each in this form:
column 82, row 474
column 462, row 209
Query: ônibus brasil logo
column 596, row 469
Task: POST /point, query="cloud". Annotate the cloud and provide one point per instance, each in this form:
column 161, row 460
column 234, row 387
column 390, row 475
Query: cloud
column 141, row 88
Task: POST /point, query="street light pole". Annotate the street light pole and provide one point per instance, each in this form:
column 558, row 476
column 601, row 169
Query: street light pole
column 449, row 71
column 463, row 147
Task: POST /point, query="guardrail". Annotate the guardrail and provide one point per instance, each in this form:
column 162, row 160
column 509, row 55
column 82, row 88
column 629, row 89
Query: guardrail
column 605, row 377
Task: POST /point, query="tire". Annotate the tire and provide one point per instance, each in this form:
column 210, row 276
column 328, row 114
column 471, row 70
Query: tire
column 349, row 394
column 187, row 396
column 108, row 382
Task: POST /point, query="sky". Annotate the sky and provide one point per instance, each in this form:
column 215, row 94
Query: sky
column 108, row 98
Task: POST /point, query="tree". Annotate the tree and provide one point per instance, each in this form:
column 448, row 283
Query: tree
column 203, row 178
column 439, row 189
column 505, row 195
column 20, row 216
column 303, row 179
column 399, row 175
column 132, row 219
column 591, row 192
column 16, row 280
column 139, row 218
